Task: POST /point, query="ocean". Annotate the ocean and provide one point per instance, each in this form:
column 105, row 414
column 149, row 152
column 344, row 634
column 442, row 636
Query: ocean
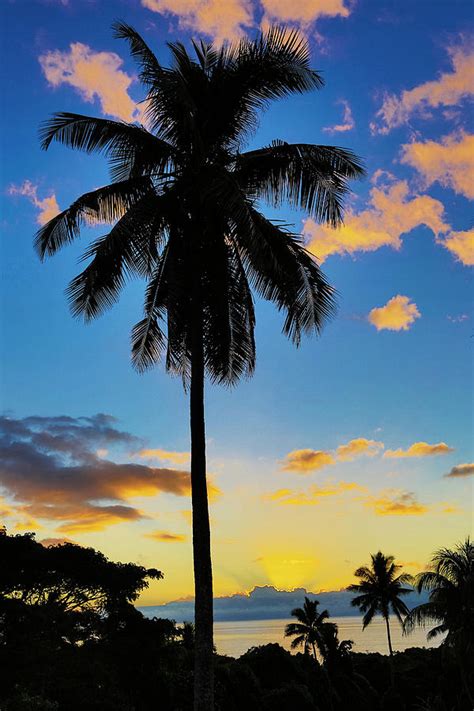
column 235, row 638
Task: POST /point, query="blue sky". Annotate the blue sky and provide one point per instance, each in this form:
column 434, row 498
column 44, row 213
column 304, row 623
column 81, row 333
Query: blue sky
column 398, row 387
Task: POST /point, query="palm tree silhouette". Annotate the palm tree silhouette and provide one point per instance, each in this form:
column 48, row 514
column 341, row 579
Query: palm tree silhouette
column 185, row 202
column 380, row 591
column 450, row 584
column 312, row 628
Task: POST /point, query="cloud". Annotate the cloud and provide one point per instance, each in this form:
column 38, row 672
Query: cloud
column 231, row 19
column 357, row 447
column 48, row 207
column 50, row 468
column 47, row 542
column 448, row 90
column 163, row 454
column 398, row 314
column 221, row 21
column 461, row 245
column 165, row 537
column 458, row 318
column 94, row 75
column 307, row 460
column 290, row 497
column 393, row 210
column 396, row 502
column 419, row 449
column 449, row 162
column 304, row 12
column 348, row 122
column 460, row 471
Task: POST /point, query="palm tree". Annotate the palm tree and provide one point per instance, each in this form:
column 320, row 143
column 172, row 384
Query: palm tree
column 450, row 584
column 312, row 628
column 380, row 591
column 185, row 202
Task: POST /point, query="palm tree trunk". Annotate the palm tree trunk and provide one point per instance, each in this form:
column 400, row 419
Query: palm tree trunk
column 203, row 615
column 390, row 649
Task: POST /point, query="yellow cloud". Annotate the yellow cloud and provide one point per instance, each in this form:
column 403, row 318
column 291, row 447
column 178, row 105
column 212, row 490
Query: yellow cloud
column 307, row 460
column 448, row 90
column 165, row 536
column 219, row 20
column 348, row 122
column 289, row 497
column 357, row 447
column 461, row 244
column 398, row 314
column 419, row 449
column 93, row 75
column 449, row 162
column 461, row 471
column 395, row 502
column 392, row 211
column 174, row 457
column 48, row 207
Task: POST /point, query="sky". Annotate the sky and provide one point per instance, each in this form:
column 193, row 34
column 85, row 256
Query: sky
column 357, row 441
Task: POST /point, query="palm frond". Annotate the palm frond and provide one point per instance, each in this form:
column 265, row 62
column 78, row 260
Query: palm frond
column 150, row 68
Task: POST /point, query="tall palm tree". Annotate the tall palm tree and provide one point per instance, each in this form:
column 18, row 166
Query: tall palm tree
column 312, row 629
column 185, row 200
column 450, row 584
column 380, row 591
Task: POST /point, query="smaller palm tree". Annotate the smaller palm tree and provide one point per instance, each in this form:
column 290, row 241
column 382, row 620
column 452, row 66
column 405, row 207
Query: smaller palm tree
column 450, row 584
column 312, row 628
column 380, row 591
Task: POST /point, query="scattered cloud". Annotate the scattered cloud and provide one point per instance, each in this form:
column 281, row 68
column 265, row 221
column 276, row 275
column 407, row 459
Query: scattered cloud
column 163, row 454
column 221, row 21
column 448, row 90
column 234, row 18
column 348, row 122
column 307, row 460
column 449, row 162
column 357, row 447
column 47, row 207
column 94, row 75
column 398, row 314
column 459, row 318
column 290, row 497
column 461, row 245
column 460, row 471
column 50, row 469
column 419, row 449
column 396, row 502
column 393, row 210
column 166, row 537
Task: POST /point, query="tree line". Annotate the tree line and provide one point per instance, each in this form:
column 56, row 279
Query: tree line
column 71, row 639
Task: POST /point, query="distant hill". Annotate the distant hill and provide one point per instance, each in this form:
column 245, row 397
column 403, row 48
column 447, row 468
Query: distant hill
column 265, row 603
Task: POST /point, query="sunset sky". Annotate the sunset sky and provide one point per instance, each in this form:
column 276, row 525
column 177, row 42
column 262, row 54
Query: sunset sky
column 358, row 441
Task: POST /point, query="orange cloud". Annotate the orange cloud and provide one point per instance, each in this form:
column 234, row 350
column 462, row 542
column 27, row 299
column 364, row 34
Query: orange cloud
column 47, row 542
column 219, row 20
column 395, row 502
column 448, row 90
column 461, row 471
column 304, row 12
column 48, row 207
column 461, row 245
column 165, row 536
column 289, row 497
column 357, row 447
column 95, row 75
column 307, row 460
column 163, row 454
column 392, row 211
column 398, row 314
column 419, row 449
column 348, row 122
column 449, row 162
